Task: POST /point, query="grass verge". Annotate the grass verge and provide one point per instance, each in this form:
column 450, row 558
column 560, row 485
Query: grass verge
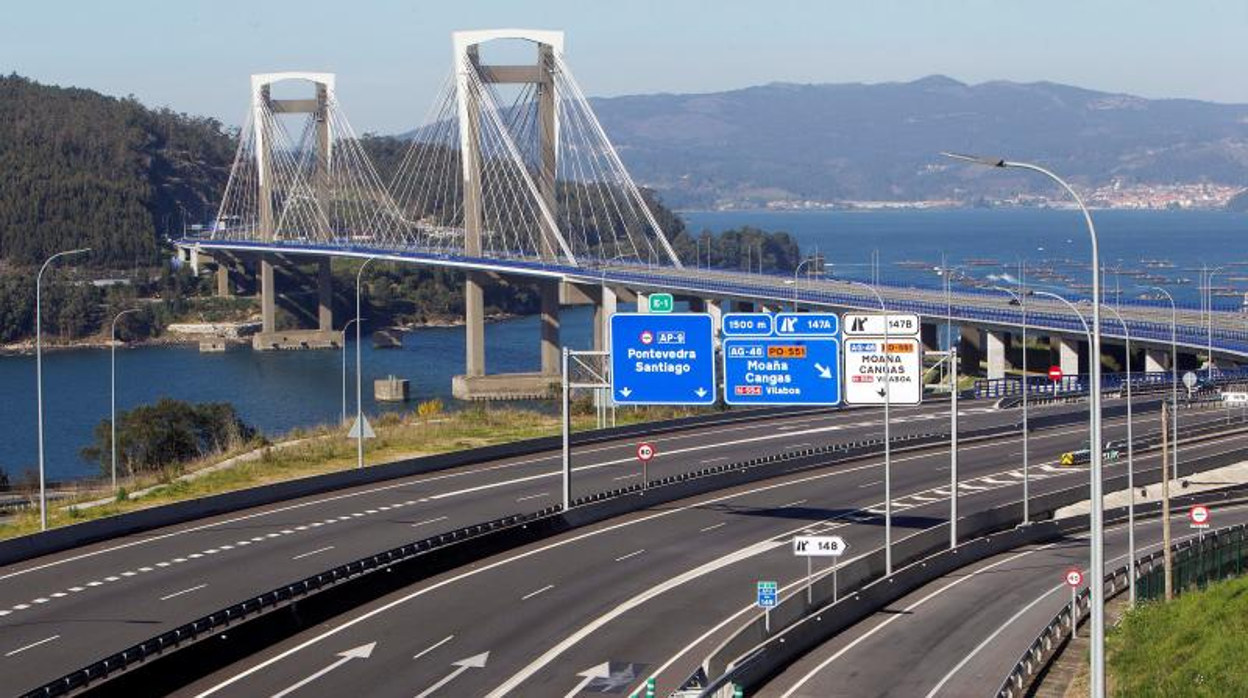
column 1194, row 646
column 323, row 449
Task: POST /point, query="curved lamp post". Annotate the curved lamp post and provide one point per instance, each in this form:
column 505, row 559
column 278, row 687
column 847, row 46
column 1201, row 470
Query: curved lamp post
column 1174, row 383
column 43, row 483
column 359, row 381
column 1126, row 332
column 1026, row 456
column 113, row 390
column 1097, row 508
column 888, row 455
column 344, row 368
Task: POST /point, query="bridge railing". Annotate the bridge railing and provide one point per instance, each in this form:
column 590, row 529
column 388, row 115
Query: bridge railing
column 1043, row 387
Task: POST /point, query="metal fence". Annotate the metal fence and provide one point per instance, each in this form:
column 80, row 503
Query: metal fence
column 1197, row 563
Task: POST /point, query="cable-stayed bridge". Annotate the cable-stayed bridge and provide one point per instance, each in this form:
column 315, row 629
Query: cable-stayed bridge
column 510, row 174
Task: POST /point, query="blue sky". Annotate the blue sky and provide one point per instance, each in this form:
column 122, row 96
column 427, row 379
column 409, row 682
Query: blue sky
column 391, row 56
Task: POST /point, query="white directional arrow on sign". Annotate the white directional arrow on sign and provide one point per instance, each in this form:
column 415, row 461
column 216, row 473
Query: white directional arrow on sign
column 626, row 391
column 361, row 652
column 476, row 661
column 824, row 371
column 700, row 392
column 602, row 671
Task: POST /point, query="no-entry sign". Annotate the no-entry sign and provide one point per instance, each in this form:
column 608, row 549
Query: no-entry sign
column 1199, row 516
column 1074, row 578
column 1055, row 373
column 645, row 452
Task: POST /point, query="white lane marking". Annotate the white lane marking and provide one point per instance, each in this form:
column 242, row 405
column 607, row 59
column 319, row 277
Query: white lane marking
column 533, row 496
column 33, row 644
column 627, row 477
column 712, row 527
column 429, row 521
column 470, row 470
column 184, row 591
column 531, row 594
column 873, row 483
column 988, row 640
column 793, row 504
column 714, row 460
column 921, row 498
column 312, row 552
column 801, row 445
column 433, row 647
column 735, row 617
column 21, row 607
column 873, row 463
column 908, row 610
column 635, row 553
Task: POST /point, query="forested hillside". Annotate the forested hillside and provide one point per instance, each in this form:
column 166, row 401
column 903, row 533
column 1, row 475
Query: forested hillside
column 81, row 169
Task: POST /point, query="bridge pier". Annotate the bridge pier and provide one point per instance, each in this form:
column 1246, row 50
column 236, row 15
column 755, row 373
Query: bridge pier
column 929, row 334
column 474, row 325
column 269, row 337
column 742, row 307
column 715, row 308
column 998, row 361
column 268, row 298
column 1156, row 360
column 643, row 302
column 970, row 350
column 324, row 296
column 1070, row 353
column 550, row 348
column 606, row 301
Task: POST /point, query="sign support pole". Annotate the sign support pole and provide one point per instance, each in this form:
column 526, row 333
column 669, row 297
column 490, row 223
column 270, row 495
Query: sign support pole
column 567, row 427
column 953, row 445
column 1167, row 557
column 1074, row 612
column 809, row 582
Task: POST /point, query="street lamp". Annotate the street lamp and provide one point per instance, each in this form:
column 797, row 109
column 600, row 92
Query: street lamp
column 796, row 271
column 1026, row 459
column 1174, row 382
column 344, row 369
column 43, row 483
column 952, row 358
column 1097, row 508
column 1130, row 458
column 359, row 381
column 113, row 389
column 888, row 455
column 1209, row 317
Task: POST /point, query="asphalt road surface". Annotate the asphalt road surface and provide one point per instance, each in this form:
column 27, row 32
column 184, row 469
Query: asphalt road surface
column 62, row 611
column 962, row 634
column 649, row 594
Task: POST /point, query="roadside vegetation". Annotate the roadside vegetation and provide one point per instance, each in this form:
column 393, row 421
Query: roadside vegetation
column 233, row 457
column 1193, row 646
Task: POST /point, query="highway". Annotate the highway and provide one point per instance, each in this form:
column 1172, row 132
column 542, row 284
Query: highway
column 649, row 593
column 961, row 635
column 62, row 611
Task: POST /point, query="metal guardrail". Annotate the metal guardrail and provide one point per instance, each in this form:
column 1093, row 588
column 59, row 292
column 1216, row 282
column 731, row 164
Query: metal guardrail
column 1190, row 567
column 734, row 662
column 284, row 595
column 1042, row 386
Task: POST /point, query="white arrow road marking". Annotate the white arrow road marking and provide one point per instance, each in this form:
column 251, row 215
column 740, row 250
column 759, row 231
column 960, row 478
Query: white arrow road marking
column 602, row 671
column 477, row 661
column 824, row 371
column 361, row 652
column 524, row 674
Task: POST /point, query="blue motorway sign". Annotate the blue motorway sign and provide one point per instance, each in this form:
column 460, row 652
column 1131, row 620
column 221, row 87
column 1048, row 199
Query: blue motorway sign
column 768, row 595
column 782, row 371
column 662, row 359
column 747, row 324
column 807, row 324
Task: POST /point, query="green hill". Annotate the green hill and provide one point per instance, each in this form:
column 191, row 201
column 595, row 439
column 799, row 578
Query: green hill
column 78, row 168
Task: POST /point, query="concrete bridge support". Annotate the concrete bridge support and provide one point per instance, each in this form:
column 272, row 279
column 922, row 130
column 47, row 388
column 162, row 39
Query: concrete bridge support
column 715, row 308
column 742, row 307
column 269, row 337
column 1069, row 351
column 550, row 348
column 998, row 362
column 970, row 350
column 1156, row 360
column 643, row 302
column 929, row 334
column 268, row 297
column 606, row 303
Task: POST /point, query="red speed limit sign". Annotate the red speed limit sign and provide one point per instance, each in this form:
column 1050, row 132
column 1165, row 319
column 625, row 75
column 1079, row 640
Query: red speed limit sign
column 1199, row 516
column 1055, row 373
column 1074, row 578
column 645, row 452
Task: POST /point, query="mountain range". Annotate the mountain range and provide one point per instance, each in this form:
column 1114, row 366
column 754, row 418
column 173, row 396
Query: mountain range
column 855, row 141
